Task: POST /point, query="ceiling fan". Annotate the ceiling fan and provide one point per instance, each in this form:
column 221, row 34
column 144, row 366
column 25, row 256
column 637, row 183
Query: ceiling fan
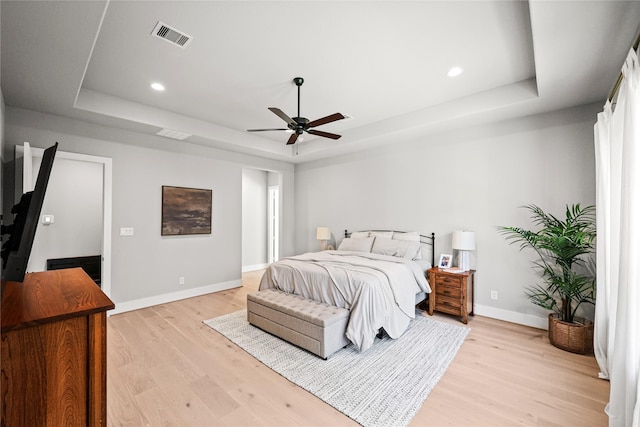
column 299, row 124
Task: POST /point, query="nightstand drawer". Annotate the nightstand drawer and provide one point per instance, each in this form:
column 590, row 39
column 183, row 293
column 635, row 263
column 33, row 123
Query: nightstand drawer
column 448, row 305
column 442, row 280
column 448, row 291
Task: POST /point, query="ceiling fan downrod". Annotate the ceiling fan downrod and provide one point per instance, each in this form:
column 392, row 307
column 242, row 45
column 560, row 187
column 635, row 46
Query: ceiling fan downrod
column 298, row 81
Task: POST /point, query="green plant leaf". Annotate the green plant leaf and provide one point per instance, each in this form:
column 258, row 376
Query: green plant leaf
column 561, row 244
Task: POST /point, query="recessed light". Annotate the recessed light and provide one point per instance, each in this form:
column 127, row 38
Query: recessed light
column 157, row 86
column 454, row 72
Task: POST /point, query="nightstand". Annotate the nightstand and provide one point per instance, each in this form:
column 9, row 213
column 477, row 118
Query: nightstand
column 451, row 292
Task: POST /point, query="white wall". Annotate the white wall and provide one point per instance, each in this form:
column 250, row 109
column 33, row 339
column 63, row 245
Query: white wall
column 273, row 179
column 254, row 219
column 146, row 266
column 74, row 198
column 473, row 179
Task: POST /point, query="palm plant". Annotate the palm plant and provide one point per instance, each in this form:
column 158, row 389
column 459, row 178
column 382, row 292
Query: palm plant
column 560, row 245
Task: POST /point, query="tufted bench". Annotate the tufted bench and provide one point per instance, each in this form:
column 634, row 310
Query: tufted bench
column 312, row 325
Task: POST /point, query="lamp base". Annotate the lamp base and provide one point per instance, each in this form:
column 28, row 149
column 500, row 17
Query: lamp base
column 463, row 260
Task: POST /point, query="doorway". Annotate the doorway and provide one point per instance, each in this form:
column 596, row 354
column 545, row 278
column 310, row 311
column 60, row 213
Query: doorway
column 84, row 220
column 261, row 207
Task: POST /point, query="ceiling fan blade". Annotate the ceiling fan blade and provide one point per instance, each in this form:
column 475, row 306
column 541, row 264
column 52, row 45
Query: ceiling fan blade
column 263, row 130
column 278, row 112
column 324, row 120
column 325, row 134
column 292, row 139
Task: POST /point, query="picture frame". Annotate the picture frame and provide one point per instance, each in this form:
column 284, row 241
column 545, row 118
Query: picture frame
column 446, row 260
column 186, row 211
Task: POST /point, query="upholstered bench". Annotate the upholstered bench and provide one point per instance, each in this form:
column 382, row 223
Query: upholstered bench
column 312, row 325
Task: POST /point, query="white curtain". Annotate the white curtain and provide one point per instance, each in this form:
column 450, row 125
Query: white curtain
column 617, row 317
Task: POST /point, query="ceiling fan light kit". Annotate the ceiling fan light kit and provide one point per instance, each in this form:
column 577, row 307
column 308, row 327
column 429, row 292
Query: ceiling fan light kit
column 298, row 125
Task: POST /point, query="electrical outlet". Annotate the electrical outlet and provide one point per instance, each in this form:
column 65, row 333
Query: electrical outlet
column 126, row 231
column 494, row 295
column 181, row 281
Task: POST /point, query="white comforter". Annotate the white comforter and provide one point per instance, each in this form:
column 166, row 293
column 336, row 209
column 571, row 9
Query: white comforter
column 378, row 289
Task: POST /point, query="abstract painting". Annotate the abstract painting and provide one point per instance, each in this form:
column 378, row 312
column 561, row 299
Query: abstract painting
column 186, row 211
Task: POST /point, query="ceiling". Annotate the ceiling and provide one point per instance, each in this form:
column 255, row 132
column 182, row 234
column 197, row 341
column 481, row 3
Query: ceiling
column 382, row 63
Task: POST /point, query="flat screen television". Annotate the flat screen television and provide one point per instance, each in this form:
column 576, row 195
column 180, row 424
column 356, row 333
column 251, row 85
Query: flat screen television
column 17, row 249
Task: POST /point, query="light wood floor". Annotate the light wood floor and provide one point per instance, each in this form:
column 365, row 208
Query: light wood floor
column 166, row 368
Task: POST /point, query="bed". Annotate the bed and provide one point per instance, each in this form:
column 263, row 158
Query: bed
column 378, row 275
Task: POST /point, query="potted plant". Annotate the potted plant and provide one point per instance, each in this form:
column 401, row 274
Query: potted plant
column 562, row 247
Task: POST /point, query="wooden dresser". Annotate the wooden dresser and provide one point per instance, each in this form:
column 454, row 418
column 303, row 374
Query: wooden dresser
column 451, row 292
column 54, row 341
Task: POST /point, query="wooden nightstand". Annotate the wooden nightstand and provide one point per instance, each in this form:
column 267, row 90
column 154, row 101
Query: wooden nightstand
column 451, row 292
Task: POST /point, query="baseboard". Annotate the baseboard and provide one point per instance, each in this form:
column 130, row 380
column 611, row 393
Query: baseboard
column 512, row 316
column 122, row 307
column 254, row 267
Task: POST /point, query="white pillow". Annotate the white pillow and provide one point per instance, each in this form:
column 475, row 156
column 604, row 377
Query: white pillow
column 358, row 245
column 385, row 234
column 359, row 234
column 412, row 236
column 399, row 248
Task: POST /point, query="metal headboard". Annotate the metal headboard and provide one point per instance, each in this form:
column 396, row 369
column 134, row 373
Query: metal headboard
column 426, row 240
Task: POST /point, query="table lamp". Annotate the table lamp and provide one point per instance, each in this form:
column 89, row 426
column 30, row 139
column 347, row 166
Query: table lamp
column 464, row 241
column 323, row 234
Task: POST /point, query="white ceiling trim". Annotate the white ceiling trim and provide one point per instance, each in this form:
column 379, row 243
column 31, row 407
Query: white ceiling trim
column 112, row 106
column 93, row 46
column 481, row 106
column 520, row 59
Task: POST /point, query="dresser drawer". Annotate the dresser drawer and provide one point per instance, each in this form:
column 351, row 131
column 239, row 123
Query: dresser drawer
column 448, row 281
column 448, row 305
column 448, row 291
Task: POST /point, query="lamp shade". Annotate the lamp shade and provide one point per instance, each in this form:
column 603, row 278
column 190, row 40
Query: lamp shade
column 464, row 240
column 323, row 233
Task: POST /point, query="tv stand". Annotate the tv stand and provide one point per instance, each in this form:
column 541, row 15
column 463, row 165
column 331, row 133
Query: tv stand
column 54, row 342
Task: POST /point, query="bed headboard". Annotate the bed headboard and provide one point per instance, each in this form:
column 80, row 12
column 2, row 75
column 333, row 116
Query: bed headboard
column 425, row 240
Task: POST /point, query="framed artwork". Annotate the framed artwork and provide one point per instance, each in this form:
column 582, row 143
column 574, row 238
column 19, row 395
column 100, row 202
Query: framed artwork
column 186, row 211
column 446, row 261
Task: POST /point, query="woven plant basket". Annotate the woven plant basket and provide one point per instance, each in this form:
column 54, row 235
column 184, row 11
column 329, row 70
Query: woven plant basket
column 575, row 337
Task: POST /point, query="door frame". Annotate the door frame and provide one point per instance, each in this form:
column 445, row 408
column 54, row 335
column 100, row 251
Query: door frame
column 273, row 218
column 27, row 185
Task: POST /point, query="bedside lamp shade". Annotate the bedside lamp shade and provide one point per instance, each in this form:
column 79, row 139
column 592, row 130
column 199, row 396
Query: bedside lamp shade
column 464, row 241
column 323, row 234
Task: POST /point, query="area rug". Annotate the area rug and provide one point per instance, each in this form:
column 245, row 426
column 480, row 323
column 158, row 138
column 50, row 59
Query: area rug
column 384, row 386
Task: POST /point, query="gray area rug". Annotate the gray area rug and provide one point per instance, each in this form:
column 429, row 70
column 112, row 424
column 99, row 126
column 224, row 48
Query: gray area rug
column 384, row 386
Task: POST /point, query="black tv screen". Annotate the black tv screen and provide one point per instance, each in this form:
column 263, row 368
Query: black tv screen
column 17, row 249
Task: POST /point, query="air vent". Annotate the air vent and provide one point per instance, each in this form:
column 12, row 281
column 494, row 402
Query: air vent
column 173, row 134
column 171, row 35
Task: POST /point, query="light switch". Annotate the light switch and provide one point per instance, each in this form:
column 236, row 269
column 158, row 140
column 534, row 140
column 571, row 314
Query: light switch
column 126, row 231
column 47, row 219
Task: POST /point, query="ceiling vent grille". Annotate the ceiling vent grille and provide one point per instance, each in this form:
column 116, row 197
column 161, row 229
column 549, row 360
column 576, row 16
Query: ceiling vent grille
column 174, row 134
column 171, row 35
